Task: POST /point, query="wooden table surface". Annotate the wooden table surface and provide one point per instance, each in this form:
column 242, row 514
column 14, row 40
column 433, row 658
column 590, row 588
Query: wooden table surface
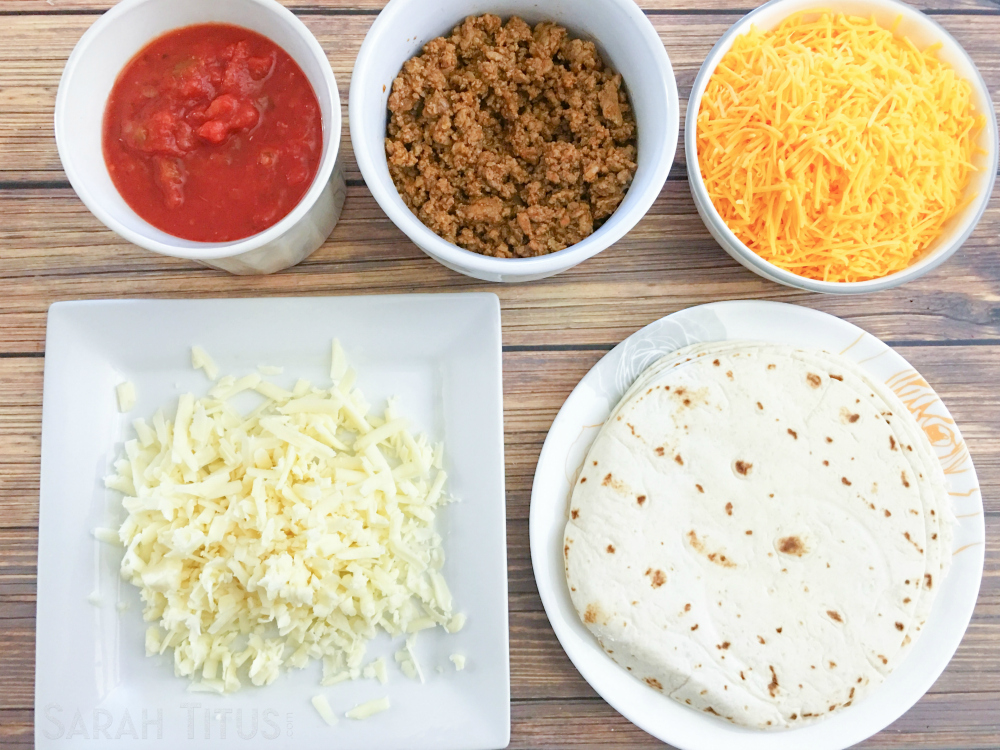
column 51, row 248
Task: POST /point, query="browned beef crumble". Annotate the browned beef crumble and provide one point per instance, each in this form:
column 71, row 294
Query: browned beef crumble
column 510, row 141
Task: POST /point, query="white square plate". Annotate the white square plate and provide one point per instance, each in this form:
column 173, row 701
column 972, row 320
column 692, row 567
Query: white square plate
column 94, row 686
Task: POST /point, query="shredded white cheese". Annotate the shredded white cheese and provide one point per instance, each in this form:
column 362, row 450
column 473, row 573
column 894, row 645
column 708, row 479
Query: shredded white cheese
column 407, row 660
column 376, row 670
column 270, row 370
column 108, row 536
column 126, row 396
column 95, row 599
column 370, row 708
column 459, row 661
column 201, row 361
column 322, row 706
column 292, row 533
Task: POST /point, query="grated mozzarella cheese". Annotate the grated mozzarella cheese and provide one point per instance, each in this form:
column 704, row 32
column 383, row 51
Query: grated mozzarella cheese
column 293, row 533
column 201, row 361
column 370, row 708
column 322, row 706
column 126, row 396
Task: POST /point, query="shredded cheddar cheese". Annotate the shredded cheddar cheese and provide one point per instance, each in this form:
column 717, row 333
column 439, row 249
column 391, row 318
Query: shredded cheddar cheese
column 833, row 148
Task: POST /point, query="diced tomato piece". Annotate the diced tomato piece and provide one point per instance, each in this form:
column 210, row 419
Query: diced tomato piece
column 170, row 177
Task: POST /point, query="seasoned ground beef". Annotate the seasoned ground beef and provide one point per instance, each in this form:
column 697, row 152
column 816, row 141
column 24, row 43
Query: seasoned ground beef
column 510, row 141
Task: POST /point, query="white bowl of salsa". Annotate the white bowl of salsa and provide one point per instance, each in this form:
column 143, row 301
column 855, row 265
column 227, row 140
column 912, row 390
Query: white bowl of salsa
column 205, row 131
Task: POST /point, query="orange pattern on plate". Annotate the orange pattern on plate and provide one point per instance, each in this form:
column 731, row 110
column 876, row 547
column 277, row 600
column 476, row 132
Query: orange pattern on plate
column 920, row 398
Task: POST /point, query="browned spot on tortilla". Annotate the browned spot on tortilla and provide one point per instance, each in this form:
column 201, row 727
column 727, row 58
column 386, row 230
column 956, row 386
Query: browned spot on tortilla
column 659, row 451
column 715, row 362
column 723, row 646
column 834, row 615
column 700, row 488
column 611, row 549
column 742, row 676
column 760, row 406
column 837, row 377
column 631, row 428
column 792, row 545
column 694, row 627
column 720, row 559
column 906, row 600
column 729, row 509
column 583, row 479
column 778, row 630
column 575, row 514
column 899, row 626
column 657, row 577
column 695, row 541
column 773, row 687
column 814, row 380
column 851, row 694
column 566, row 550
column 910, row 540
column 829, row 440
column 649, row 391
column 711, row 710
column 743, row 467
column 826, row 463
column 770, row 367
column 591, row 613
column 846, row 481
column 906, row 482
column 892, row 443
column 729, row 374
column 762, row 641
column 687, row 607
column 678, row 459
column 607, row 480
column 928, row 580
column 641, row 499
column 793, row 717
column 595, row 463
column 793, row 433
column 884, row 660
column 749, row 532
column 687, row 402
column 934, row 535
column 854, row 418
column 654, row 683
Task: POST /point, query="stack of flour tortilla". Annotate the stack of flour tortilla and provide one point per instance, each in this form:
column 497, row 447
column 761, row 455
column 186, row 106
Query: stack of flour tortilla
column 758, row 532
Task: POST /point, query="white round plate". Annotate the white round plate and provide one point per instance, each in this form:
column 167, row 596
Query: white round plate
column 575, row 428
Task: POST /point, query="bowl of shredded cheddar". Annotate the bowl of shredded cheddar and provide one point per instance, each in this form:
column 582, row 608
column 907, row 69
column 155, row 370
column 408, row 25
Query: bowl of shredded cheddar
column 842, row 149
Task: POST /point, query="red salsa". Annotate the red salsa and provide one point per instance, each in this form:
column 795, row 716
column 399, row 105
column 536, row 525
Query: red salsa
column 212, row 133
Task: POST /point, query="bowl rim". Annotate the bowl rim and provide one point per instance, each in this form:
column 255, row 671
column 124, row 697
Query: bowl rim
column 467, row 260
column 199, row 250
column 733, row 245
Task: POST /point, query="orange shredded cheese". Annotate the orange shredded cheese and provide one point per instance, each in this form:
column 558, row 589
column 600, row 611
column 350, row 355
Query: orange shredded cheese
column 833, row 148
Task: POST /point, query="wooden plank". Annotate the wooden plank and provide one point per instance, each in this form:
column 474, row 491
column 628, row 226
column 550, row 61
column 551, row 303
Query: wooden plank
column 33, row 50
column 372, row 7
column 585, row 724
column 540, row 668
column 535, row 386
column 55, row 250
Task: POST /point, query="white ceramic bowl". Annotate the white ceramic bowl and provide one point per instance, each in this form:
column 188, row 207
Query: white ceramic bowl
column 923, row 31
column 86, row 82
column 626, row 40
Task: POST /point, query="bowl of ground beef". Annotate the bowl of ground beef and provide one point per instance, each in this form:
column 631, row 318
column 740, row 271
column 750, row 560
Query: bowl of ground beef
column 513, row 140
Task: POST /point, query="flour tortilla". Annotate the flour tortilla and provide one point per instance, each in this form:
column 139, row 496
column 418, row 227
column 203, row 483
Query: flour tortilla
column 812, row 608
